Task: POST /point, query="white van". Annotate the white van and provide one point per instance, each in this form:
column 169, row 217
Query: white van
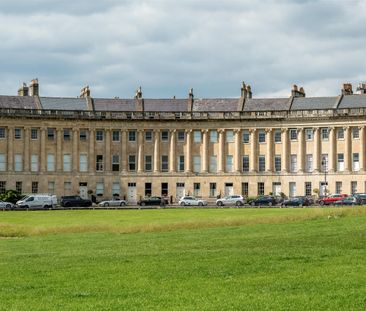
column 38, row 200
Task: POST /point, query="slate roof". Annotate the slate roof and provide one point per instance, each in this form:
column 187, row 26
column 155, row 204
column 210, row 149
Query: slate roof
column 314, row 103
column 114, row 104
column 353, row 101
column 267, row 104
column 18, row 102
column 63, row 103
column 166, row 104
column 217, row 104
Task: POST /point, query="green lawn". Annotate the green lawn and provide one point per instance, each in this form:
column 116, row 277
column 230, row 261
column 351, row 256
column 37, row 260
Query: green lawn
column 186, row 259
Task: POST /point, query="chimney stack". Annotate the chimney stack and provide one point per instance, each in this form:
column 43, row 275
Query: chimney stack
column 190, row 99
column 347, row 89
column 249, row 91
column 361, row 88
column 34, row 88
column 85, row 92
column 23, row 90
column 295, row 92
column 138, row 94
column 243, row 93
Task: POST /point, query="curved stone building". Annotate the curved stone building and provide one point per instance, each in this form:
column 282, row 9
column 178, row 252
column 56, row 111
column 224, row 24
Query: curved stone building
column 205, row 147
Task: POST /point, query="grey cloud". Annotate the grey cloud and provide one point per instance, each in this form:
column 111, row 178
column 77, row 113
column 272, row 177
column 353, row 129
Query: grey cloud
column 168, row 47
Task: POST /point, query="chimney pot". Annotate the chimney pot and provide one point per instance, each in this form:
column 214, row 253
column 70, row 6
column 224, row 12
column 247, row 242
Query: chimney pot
column 34, row 88
column 347, row 89
column 243, row 89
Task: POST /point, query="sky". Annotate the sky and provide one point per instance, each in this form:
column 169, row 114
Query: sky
column 168, row 47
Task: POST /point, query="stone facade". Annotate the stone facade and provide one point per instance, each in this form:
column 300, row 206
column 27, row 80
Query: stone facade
column 133, row 150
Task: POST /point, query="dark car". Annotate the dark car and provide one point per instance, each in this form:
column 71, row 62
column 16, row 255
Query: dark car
column 350, row 200
column 264, row 200
column 361, row 197
column 74, row 200
column 153, row 201
column 296, row 201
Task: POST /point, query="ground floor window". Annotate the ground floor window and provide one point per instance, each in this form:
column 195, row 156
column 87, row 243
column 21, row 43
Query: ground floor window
column 292, row 189
column 308, row 190
column 353, row 187
column 197, row 189
column 51, row 187
column 245, row 189
column 338, row 187
column 67, row 187
column 276, row 188
column 164, row 189
column 260, row 188
column 99, row 189
column 34, row 186
column 148, row 187
column 2, row 186
column 19, row 186
column 213, row 190
column 116, row 192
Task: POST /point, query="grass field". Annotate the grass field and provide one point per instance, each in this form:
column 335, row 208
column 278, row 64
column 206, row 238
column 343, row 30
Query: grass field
column 186, row 259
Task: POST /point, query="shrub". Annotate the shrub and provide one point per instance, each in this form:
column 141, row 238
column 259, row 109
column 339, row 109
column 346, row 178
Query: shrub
column 11, row 196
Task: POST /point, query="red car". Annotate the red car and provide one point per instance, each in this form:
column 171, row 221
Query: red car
column 331, row 199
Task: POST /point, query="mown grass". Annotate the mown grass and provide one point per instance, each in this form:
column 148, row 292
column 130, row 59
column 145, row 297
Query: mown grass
column 270, row 259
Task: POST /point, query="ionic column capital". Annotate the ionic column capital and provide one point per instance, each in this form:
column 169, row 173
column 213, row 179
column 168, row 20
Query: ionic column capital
column 268, row 130
column 252, row 130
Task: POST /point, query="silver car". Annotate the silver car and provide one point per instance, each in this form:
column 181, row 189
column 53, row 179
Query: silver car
column 237, row 200
column 118, row 202
column 4, row 204
column 189, row 200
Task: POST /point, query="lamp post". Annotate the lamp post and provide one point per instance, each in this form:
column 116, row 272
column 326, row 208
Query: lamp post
column 324, row 165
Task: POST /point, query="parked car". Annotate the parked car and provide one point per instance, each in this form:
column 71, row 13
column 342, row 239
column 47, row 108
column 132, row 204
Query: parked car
column 188, row 200
column 113, row 202
column 37, row 201
column 362, row 197
column 7, row 205
column 237, row 200
column 75, row 200
column 152, row 201
column 350, row 200
column 331, row 199
column 264, row 200
column 296, row 201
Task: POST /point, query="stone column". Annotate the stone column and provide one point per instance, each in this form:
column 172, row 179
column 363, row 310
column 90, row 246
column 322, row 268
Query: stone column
column 317, row 151
column 285, row 150
column 253, row 160
column 10, row 166
column 26, row 149
column 75, row 151
column 140, row 151
column 91, row 150
column 205, row 151
column 301, row 150
column 188, row 161
column 124, row 150
column 362, row 148
column 43, row 159
column 237, row 156
column 59, row 158
column 108, row 157
column 332, row 150
column 172, row 152
column 269, row 155
column 347, row 149
column 156, row 151
column 221, row 155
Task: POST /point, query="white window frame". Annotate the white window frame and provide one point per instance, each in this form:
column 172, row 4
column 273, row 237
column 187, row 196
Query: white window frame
column 83, row 162
column 51, row 165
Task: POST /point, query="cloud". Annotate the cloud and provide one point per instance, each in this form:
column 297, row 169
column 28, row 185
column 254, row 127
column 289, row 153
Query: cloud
column 168, row 47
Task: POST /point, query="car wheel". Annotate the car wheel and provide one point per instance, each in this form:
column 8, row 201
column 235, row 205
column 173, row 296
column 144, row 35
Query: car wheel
column 220, row 203
column 270, row 204
column 238, row 203
column 8, row 206
column 252, row 203
column 122, row 204
column 321, row 203
column 142, row 203
column 300, row 205
column 106, row 204
column 200, row 204
column 182, row 204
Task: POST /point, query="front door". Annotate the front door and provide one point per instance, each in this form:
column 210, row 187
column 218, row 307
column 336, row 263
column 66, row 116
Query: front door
column 323, row 188
column 180, row 191
column 131, row 193
column 83, row 192
column 229, row 189
column 276, row 188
